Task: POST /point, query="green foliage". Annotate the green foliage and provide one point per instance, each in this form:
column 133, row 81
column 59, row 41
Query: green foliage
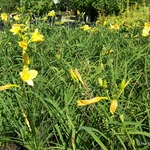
column 36, row 7
column 56, row 122
column 9, row 5
column 104, row 7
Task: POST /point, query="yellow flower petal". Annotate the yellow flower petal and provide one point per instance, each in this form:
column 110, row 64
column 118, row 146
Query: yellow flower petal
column 18, row 25
column 16, row 17
column 26, row 119
column 113, row 106
column 73, row 75
column 30, row 82
column 91, row 101
column 78, row 12
column 78, row 75
column 145, row 32
column 147, row 25
column 8, row 86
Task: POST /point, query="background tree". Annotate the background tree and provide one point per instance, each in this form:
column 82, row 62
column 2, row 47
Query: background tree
column 9, row 5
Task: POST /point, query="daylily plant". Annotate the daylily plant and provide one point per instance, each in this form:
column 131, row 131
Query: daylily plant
column 114, row 103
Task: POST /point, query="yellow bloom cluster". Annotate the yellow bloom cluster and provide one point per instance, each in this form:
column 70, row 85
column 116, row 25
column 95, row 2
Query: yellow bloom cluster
column 26, row 74
column 20, row 29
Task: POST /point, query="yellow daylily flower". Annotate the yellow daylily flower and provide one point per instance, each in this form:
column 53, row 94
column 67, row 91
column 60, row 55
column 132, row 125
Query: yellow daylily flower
column 4, row 17
column 26, row 119
column 123, row 84
column 27, row 75
column 78, row 12
column 51, row 13
column 26, row 60
column 100, row 81
column 8, row 86
column 78, row 75
column 85, row 27
column 16, row 28
column 36, row 37
column 91, row 101
column 105, row 22
column 73, row 75
column 16, row 17
column 115, row 26
column 113, row 106
column 145, row 32
column 147, row 25
column 23, row 45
